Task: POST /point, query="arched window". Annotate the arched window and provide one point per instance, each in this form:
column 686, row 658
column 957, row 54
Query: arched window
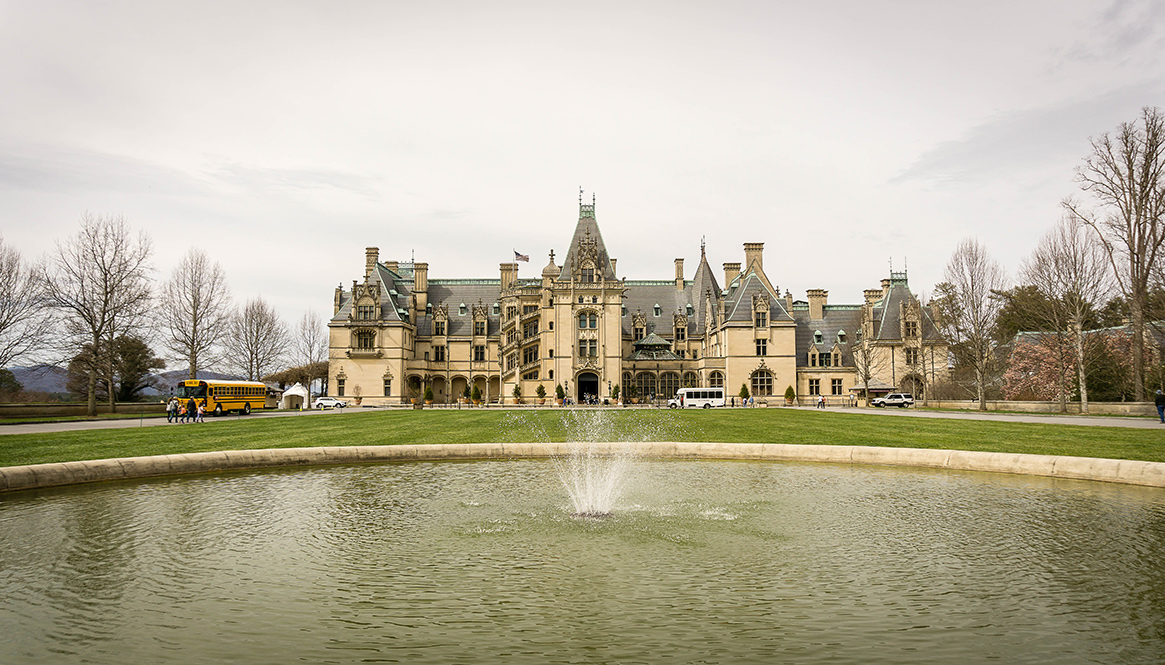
column 762, row 383
column 593, row 319
column 669, row 383
column 716, row 380
column 841, row 336
column 645, row 384
column 816, row 336
column 691, row 380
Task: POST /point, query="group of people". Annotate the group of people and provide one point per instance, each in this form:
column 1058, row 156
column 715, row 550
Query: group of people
column 190, row 411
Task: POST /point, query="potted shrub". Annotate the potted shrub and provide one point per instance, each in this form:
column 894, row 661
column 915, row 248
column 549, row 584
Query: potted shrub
column 476, row 396
column 517, row 393
column 559, row 394
column 465, row 394
column 541, row 392
column 428, row 394
column 790, row 395
column 615, row 394
column 743, row 394
column 357, row 395
column 633, row 393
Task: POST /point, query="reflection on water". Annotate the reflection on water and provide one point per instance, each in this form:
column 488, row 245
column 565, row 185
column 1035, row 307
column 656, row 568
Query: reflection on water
column 700, row 562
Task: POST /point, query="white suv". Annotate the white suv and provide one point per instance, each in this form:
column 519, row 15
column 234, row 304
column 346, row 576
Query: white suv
column 900, row 400
column 329, row 403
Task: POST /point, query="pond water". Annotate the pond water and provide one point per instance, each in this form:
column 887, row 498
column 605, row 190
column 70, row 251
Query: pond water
column 700, row 561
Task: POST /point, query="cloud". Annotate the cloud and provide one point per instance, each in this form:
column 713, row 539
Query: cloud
column 45, row 168
column 1012, row 143
column 258, row 179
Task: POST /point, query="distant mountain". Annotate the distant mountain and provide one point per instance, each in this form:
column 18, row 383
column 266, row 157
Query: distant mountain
column 167, row 380
column 51, row 379
column 42, row 378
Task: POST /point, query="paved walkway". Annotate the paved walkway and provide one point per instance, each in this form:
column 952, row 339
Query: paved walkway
column 125, row 423
column 1042, row 418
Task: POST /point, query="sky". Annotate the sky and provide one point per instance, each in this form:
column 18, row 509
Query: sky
column 283, row 138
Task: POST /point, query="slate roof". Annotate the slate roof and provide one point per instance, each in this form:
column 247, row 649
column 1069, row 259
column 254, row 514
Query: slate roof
column 835, row 319
column 587, row 226
column 888, row 313
column 738, row 305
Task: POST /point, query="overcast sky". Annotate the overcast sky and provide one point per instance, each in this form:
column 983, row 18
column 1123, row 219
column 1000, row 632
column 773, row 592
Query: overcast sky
column 283, row 138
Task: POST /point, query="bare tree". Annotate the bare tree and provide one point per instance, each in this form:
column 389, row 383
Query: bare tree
column 1071, row 269
column 196, row 311
column 24, row 321
column 100, row 280
column 311, row 347
column 868, row 359
column 257, row 339
column 967, row 309
column 1125, row 174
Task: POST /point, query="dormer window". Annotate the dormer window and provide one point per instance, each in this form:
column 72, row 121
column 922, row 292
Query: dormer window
column 762, row 319
column 438, row 328
column 690, row 312
column 657, row 309
column 497, row 309
column 461, row 310
column 588, row 275
column 365, row 312
column 429, row 309
column 817, row 337
column 841, row 337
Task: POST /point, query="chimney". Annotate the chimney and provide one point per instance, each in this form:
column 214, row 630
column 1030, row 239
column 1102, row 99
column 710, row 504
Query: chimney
column 421, row 285
column 788, row 300
column 509, row 274
column 753, row 252
column 393, row 266
column 613, row 267
column 679, row 274
column 817, row 298
column 338, row 300
column 731, row 272
column 371, row 256
column 872, row 295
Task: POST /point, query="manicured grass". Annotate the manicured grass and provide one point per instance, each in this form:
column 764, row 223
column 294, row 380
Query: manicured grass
column 735, row 425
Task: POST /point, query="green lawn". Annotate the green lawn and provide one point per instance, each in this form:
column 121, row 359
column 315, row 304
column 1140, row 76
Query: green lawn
column 735, row 425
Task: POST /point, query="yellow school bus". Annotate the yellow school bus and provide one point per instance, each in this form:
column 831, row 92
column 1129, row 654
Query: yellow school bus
column 223, row 396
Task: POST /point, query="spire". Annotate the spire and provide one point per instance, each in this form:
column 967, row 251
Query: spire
column 586, row 245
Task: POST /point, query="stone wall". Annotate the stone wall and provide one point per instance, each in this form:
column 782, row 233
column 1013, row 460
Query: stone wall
column 75, row 409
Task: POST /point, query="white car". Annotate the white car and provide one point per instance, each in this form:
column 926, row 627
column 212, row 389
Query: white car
column 900, row 400
column 329, row 403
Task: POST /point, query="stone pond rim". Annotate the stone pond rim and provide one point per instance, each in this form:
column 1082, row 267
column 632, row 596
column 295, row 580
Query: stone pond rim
column 56, row 474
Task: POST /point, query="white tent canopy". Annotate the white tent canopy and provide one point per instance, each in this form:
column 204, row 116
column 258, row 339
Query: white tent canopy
column 295, row 397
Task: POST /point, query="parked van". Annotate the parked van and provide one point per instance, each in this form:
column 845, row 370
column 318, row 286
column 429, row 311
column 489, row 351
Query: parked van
column 697, row 398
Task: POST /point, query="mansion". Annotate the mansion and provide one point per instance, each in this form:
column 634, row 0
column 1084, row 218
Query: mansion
column 396, row 332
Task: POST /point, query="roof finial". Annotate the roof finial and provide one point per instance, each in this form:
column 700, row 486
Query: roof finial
column 580, row 192
column 702, row 246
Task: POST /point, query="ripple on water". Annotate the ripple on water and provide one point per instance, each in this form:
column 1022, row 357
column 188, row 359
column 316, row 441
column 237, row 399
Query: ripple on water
column 711, row 561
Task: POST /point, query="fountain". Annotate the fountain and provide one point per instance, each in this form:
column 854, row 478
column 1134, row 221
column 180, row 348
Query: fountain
column 593, row 479
column 483, row 561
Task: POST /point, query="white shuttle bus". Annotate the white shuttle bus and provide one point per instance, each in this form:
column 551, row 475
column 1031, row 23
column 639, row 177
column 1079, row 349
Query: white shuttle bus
column 697, row 398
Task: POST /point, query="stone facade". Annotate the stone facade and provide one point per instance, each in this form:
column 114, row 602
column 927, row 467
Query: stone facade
column 396, row 333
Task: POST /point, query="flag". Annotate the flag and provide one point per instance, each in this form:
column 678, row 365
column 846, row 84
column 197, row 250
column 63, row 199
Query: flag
column 521, row 257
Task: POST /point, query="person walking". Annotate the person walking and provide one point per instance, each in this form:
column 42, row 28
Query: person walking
column 201, row 411
column 1160, row 402
column 191, row 409
column 172, row 410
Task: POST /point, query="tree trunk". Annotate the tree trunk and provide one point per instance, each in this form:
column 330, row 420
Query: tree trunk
column 1081, row 375
column 109, row 382
column 1137, row 305
column 979, row 376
